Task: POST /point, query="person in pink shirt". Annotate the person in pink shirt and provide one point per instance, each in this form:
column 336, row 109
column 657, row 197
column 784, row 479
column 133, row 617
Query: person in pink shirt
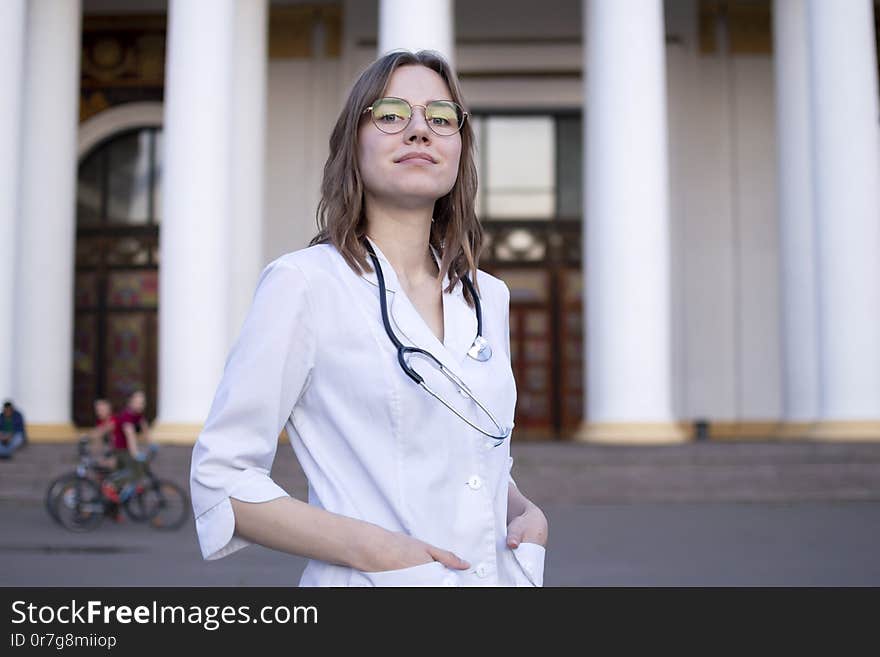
column 127, row 424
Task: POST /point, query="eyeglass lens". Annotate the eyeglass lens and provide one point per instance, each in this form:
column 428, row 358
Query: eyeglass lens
column 393, row 115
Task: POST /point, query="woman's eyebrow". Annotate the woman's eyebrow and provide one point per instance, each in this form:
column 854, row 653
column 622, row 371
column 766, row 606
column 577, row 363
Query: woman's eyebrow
column 431, row 100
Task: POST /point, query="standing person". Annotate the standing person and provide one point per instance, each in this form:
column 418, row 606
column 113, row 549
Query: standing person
column 12, row 431
column 409, row 483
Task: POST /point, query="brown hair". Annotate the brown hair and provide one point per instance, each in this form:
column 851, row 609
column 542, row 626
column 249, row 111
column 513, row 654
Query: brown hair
column 455, row 232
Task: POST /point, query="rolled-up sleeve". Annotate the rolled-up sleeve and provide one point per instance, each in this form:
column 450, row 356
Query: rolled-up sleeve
column 266, row 372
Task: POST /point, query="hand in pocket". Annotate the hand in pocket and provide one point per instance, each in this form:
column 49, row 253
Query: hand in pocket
column 400, row 550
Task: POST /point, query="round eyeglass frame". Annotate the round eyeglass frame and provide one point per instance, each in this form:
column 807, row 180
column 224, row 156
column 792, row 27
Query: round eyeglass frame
column 464, row 115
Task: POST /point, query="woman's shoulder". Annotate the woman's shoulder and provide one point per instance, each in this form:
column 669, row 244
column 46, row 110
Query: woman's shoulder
column 310, row 260
column 312, row 265
column 492, row 287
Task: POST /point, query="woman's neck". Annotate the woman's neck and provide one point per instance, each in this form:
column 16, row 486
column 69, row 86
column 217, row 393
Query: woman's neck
column 403, row 235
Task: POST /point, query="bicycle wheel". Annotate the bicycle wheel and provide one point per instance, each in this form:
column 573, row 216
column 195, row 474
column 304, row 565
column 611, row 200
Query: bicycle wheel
column 169, row 504
column 80, row 505
column 53, row 494
column 137, row 504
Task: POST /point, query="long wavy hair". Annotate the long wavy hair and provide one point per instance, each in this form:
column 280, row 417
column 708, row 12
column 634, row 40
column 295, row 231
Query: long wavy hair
column 455, row 232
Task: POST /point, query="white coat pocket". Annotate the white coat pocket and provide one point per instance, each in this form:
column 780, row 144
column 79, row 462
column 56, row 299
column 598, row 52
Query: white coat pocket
column 431, row 573
column 530, row 561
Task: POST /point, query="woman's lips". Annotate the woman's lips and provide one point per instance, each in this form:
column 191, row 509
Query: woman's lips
column 422, row 158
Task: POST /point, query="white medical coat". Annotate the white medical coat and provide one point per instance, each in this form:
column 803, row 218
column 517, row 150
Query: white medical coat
column 313, row 357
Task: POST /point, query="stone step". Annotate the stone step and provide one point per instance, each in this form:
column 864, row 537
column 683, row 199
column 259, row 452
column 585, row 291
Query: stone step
column 576, row 473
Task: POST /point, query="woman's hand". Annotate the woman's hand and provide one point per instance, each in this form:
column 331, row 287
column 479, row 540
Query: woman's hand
column 399, row 550
column 530, row 526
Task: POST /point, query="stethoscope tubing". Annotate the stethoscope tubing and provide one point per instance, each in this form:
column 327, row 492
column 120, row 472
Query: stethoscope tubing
column 402, row 350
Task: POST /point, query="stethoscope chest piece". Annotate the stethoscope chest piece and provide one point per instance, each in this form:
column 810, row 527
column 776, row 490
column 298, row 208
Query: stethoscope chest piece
column 480, row 349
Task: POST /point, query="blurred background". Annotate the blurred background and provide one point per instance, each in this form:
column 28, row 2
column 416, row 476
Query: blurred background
column 683, row 197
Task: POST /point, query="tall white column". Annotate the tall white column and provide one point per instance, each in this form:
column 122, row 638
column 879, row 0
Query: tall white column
column 846, row 175
column 796, row 222
column 44, row 274
column 626, row 252
column 417, row 26
column 193, row 275
column 248, row 157
column 12, row 29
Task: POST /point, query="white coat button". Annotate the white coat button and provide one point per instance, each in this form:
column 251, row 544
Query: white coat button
column 475, row 482
column 482, row 570
column 450, row 580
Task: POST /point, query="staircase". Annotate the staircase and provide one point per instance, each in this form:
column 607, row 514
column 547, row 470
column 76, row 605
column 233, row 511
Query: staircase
column 572, row 473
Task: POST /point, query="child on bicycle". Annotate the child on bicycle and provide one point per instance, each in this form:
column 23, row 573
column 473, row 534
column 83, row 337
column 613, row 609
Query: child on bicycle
column 102, row 435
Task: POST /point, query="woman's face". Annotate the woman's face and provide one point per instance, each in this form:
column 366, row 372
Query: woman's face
column 412, row 182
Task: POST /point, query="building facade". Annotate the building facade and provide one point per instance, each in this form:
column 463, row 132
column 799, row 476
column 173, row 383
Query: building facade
column 683, row 197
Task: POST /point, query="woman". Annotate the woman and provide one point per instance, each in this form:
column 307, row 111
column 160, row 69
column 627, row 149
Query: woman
column 402, row 491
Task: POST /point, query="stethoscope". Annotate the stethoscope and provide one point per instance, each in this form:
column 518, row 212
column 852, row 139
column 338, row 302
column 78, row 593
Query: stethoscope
column 480, row 351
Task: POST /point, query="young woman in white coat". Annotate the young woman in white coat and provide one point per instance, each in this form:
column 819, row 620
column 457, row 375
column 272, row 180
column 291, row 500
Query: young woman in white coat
column 409, row 480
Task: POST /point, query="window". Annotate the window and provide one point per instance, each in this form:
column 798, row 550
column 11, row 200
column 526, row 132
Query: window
column 529, row 166
column 117, row 272
column 119, row 182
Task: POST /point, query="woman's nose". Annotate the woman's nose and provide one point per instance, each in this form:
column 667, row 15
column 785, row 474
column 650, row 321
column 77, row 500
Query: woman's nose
column 418, row 125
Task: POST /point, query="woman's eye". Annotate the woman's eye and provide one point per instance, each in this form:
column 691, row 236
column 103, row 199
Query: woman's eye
column 439, row 120
column 390, row 118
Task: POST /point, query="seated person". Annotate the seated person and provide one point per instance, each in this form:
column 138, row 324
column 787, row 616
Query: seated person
column 12, row 431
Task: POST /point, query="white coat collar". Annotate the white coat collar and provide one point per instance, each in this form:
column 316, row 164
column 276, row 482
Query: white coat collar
column 459, row 319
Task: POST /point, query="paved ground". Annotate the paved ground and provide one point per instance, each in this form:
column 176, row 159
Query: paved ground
column 697, row 514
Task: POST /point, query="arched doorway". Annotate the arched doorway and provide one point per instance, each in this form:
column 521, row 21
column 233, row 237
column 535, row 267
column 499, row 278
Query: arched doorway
column 117, row 270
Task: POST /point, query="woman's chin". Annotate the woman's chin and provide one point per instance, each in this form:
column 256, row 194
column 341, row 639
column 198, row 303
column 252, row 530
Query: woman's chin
column 417, row 195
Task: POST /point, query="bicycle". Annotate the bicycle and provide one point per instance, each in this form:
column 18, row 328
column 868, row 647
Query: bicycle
column 87, row 467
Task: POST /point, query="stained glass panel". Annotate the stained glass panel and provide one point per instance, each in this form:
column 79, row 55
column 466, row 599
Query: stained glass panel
column 85, row 339
column 86, row 290
column 129, row 251
column 536, row 323
column 526, row 286
column 127, row 289
column 88, row 252
column 126, row 351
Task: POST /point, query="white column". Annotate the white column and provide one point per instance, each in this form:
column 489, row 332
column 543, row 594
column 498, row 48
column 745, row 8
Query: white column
column 417, row 26
column 846, row 175
column 193, row 278
column 626, row 251
column 12, row 28
column 796, row 223
column 44, row 274
column 248, row 157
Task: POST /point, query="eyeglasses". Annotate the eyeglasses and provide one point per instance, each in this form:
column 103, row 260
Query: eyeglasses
column 392, row 115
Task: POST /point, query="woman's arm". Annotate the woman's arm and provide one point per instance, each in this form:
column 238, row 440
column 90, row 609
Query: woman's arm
column 290, row 525
column 525, row 521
